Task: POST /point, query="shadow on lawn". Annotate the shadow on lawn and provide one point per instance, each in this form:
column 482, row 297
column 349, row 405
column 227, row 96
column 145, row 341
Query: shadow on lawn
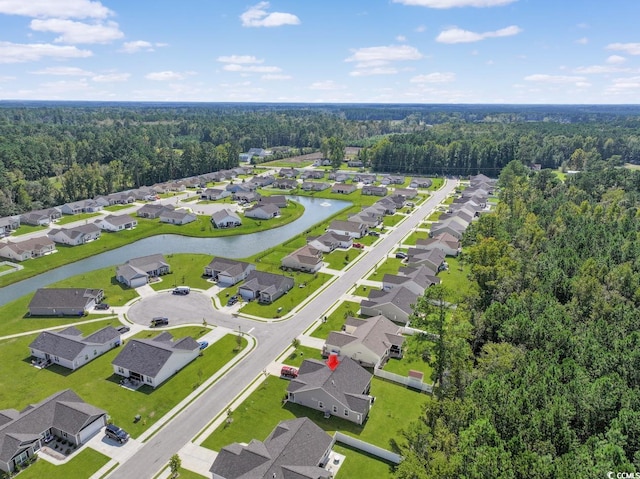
column 329, row 424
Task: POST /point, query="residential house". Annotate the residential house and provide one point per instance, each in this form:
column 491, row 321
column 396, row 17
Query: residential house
column 392, row 180
column 8, row 225
column 214, row 194
column 279, row 200
column 372, row 190
column 340, row 387
column 225, row 219
column 137, row 271
column 263, row 180
column 348, row 228
column 433, row 258
column 295, row 449
column 121, row 198
column 153, row 361
column 420, row 183
column 453, row 228
column 285, row 184
column 365, row 178
column 289, row 173
column 355, row 163
column 264, row 287
column 75, row 236
column 343, row 189
column 64, row 301
column 370, row 341
column 244, row 197
column 82, row 206
column 415, row 279
column 330, row 241
column 40, row 217
column 397, row 304
column 321, row 162
column 177, row 217
column 307, row 259
column 262, row 212
column 152, row 211
column 236, row 187
column 339, row 176
column 408, row 193
column 69, row 349
column 388, row 204
column 312, row 175
column 26, row 249
column 114, row 223
column 63, row 414
column 315, row 186
column 259, row 152
column 461, row 217
column 370, row 219
column 449, row 244
column 228, row 272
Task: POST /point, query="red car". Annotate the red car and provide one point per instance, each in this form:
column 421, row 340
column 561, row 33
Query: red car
column 358, row 245
column 289, row 372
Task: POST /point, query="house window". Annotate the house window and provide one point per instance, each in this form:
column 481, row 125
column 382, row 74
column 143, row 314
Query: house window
column 23, row 456
column 95, row 352
column 86, row 357
column 121, row 371
column 149, row 380
column 320, row 405
column 346, row 412
column 335, row 409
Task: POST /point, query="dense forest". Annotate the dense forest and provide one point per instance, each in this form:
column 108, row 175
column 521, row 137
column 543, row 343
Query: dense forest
column 542, row 361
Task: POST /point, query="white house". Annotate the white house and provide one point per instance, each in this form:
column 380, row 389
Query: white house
column 348, row 228
column 115, row 223
column 225, row 219
column 75, row 236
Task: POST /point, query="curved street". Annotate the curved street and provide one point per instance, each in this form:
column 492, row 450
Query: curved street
column 272, row 339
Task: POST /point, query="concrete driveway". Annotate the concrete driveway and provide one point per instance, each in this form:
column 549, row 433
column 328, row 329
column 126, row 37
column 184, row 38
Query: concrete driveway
column 190, row 308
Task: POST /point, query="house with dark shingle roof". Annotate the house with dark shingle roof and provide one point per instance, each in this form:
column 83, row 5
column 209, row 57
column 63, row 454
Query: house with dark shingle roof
column 315, row 186
column 9, row 224
column 213, row 194
column 371, row 190
column 29, row 248
column 453, row 228
column 396, row 305
column 177, row 217
column 307, row 259
column 227, row 272
column 75, row 236
column 432, row 258
column 295, row 449
column 370, row 341
column 152, row 211
column 348, row 228
column 137, row 271
column 63, row 414
column 245, row 196
column 343, row 189
column 330, row 241
column 70, row 349
column 444, row 241
column 64, row 301
column 153, row 361
column 342, row 390
column 416, row 280
column 279, row 200
column 82, row 206
column 265, row 287
column 262, row 212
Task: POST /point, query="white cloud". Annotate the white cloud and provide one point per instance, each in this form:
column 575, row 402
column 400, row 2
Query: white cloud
column 326, row 85
column 111, row 77
column 377, row 55
column 582, row 41
column 401, row 38
column 168, row 75
column 594, row 69
column 275, row 76
column 240, row 59
column 615, row 60
column 257, row 16
column 140, row 45
column 31, row 52
column 78, row 32
column 63, row 71
column 454, row 3
column 235, row 67
column 630, row 48
column 557, row 79
column 421, row 28
column 624, row 85
column 458, row 35
column 374, row 71
column 435, row 77
column 55, row 8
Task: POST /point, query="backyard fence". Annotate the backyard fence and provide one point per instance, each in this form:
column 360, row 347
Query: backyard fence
column 368, row 448
column 412, row 382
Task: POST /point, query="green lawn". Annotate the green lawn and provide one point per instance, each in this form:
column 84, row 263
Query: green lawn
column 73, row 218
column 448, row 200
column 263, row 409
column 336, row 319
column 392, row 220
column 310, row 282
column 456, row 280
column 411, row 239
column 186, row 270
column 83, row 465
column 98, row 385
column 360, row 465
column 414, row 347
column 26, row 229
column 300, row 354
column 390, row 266
column 4, row 267
column 435, row 216
column 114, row 208
column 363, row 291
column 340, row 258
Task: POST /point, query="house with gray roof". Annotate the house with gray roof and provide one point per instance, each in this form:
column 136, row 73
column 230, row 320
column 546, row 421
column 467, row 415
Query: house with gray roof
column 76, row 235
column 330, row 241
column 8, row 225
column 114, row 223
column 177, row 217
column 152, row 210
column 416, row 279
column 262, row 212
column 408, row 193
column 214, row 194
column 69, row 349
column 432, row 258
column 444, row 241
column 420, row 183
column 370, row 341
column 295, row 449
column 312, row 174
column 348, row 228
column 153, row 361
column 121, row 198
column 225, row 218
column 454, row 228
column 137, row 271
column 265, row 287
column 343, row 189
column 263, row 180
column 64, row 301
column 227, row 272
column 40, row 217
column 82, row 206
column 339, row 387
column 245, row 196
column 63, row 414
column 396, row 304
column 315, row 186
column 307, row 259
column 372, row 190
column 279, row 200
column 26, row 249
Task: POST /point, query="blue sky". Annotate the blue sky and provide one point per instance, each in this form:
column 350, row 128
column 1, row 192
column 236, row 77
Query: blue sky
column 379, row 51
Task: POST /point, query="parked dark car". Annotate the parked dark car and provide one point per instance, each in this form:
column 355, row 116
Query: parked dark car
column 159, row 321
column 401, row 255
column 117, row 434
column 232, row 300
column 123, row 329
column 102, row 306
column 374, row 233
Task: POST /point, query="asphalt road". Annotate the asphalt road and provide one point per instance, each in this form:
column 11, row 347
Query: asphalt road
column 272, row 339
